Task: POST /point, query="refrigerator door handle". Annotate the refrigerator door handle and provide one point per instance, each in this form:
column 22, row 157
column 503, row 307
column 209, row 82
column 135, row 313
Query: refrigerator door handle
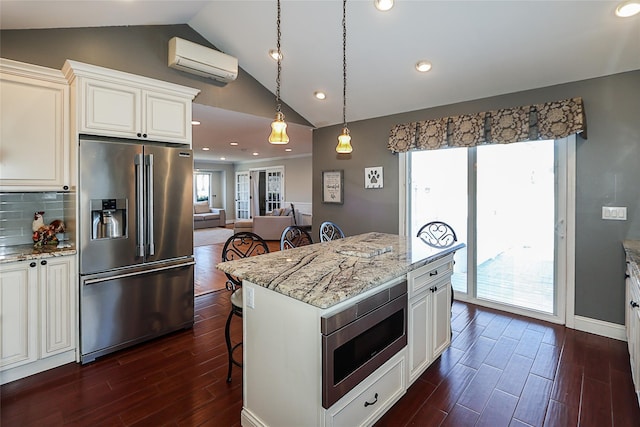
column 104, row 277
column 139, row 161
column 150, row 240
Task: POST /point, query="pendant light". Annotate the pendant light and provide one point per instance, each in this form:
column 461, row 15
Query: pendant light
column 278, row 126
column 344, row 140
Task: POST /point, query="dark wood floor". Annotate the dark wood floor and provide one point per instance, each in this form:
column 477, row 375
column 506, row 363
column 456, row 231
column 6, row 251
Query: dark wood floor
column 207, row 279
column 500, row 370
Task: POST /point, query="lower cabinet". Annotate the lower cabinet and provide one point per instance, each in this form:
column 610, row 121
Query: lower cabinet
column 429, row 317
column 366, row 403
column 633, row 326
column 37, row 298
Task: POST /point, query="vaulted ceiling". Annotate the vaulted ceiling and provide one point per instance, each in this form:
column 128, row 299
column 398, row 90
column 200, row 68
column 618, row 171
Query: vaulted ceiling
column 477, row 48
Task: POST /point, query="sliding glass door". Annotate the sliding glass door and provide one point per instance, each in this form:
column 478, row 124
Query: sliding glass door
column 507, row 204
column 515, row 217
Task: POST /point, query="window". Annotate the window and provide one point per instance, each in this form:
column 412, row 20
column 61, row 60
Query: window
column 202, row 186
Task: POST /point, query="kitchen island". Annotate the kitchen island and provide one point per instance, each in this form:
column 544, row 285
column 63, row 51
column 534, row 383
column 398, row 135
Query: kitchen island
column 288, row 294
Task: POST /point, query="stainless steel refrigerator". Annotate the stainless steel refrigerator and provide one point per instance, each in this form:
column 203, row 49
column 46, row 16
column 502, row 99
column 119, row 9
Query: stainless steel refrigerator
column 136, row 243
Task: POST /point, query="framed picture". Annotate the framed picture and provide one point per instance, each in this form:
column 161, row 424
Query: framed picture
column 332, row 186
column 373, row 177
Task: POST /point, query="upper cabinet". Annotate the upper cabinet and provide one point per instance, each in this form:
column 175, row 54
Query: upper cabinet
column 34, row 128
column 118, row 104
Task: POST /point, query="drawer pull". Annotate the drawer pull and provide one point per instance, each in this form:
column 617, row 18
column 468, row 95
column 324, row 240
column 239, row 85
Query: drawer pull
column 372, row 403
column 433, row 273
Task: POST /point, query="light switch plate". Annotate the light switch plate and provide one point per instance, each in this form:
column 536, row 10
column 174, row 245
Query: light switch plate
column 614, row 213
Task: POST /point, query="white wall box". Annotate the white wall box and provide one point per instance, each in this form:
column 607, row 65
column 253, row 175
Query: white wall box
column 117, row 104
column 38, row 301
column 429, row 317
column 34, row 128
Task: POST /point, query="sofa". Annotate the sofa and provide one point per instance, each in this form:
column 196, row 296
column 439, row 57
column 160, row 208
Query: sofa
column 207, row 217
column 269, row 227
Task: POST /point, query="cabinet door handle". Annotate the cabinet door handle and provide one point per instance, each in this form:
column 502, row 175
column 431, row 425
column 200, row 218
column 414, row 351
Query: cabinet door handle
column 144, row 135
column 139, row 134
column 433, row 273
column 43, row 262
column 634, row 304
column 33, row 264
column 372, row 403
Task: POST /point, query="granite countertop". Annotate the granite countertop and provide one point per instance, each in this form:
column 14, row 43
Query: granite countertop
column 632, row 249
column 324, row 274
column 28, row 252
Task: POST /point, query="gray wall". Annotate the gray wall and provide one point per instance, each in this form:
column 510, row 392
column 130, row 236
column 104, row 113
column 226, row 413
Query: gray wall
column 141, row 50
column 297, row 176
column 608, row 174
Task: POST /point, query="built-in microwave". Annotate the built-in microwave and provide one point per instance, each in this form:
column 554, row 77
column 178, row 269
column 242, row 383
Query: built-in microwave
column 359, row 339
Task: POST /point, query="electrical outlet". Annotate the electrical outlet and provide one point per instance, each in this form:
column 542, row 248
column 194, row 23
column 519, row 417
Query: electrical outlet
column 614, row 213
column 249, row 295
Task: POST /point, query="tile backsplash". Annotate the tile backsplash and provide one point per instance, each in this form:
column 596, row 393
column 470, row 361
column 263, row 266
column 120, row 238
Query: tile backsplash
column 17, row 210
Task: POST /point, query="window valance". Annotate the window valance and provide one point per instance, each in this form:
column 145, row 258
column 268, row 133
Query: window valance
column 551, row 120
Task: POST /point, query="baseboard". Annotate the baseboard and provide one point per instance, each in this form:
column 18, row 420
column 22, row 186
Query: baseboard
column 599, row 327
column 247, row 419
column 41, row 365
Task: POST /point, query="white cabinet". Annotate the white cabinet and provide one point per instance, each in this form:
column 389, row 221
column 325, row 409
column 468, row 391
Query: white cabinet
column 117, row 104
column 57, row 305
column 429, row 317
column 34, row 128
column 19, row 303
column 38, row 300
column 633, row 326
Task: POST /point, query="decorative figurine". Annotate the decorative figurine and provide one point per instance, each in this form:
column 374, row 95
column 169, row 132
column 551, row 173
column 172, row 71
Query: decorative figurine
column 45, row 234
column 37, row 221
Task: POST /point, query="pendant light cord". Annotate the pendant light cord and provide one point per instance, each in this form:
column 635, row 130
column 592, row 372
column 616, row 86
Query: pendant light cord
column 344, row 63
column 278, row 108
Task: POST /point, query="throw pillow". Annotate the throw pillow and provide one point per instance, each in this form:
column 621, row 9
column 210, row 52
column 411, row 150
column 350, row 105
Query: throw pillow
column 275, row 212
column 201, row 207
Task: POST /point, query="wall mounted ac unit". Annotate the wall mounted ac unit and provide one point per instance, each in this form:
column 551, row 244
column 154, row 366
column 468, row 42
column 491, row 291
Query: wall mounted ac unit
column 203, row 61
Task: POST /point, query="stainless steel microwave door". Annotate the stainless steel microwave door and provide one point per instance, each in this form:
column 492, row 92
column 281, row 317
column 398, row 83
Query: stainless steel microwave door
column 169, row 202
column 107, row 182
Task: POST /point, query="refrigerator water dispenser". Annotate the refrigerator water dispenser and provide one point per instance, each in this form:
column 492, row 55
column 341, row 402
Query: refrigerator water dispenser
column 108, row 218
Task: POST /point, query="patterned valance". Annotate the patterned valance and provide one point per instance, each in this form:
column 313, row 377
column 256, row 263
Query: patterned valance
column 551, row 120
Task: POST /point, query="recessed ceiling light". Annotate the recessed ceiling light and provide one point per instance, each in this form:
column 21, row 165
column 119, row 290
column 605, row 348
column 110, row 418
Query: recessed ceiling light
column 273, row 53
column 205, row 148
column 234, row 143
column 195, row 122
column 628, row 8
column 423, row 66
column 223, row 158
column 287, row 149
column 383, row 5
column 255, row 153
column 319, row 94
